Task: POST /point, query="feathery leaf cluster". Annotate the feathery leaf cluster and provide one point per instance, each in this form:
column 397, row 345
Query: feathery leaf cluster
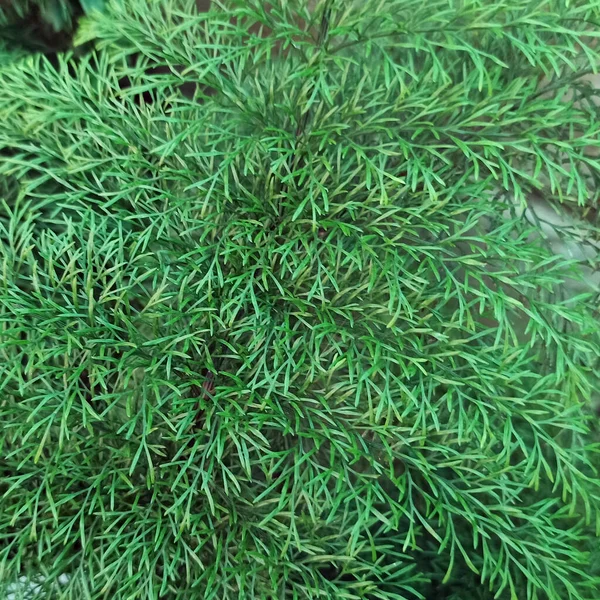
column 272, row 323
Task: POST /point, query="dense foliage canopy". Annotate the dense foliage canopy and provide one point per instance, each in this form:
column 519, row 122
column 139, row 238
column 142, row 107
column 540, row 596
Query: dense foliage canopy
column 272, row 322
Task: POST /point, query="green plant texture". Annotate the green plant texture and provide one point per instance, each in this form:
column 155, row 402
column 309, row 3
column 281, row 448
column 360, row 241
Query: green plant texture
column 272, row 323
column 58, row 15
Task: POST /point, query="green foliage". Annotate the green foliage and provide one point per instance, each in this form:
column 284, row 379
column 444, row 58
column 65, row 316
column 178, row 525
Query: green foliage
column 8, row 54
column 286, row 335
column 59, row 15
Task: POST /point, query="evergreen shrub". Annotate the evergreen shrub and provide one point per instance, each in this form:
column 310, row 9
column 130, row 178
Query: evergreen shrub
column 272, row 322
